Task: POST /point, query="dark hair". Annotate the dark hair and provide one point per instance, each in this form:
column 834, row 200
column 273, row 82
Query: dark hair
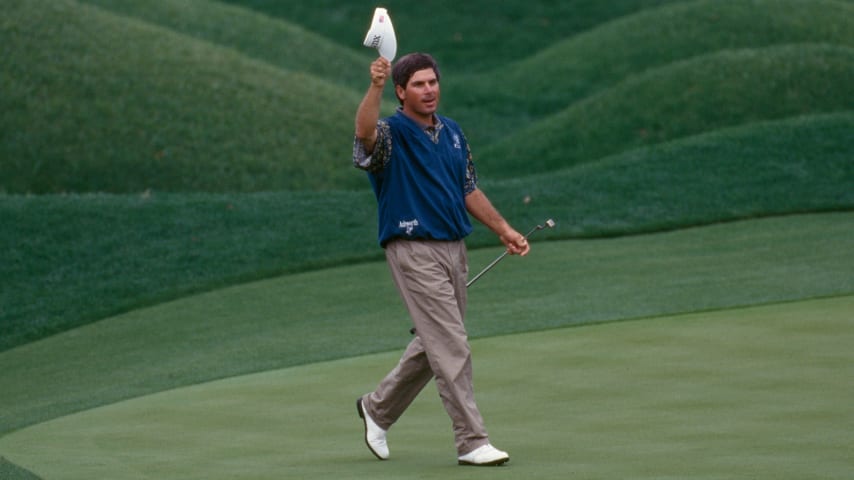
column 411, row 63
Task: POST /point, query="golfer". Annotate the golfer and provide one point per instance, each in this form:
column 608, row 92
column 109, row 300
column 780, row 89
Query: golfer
column 420, row 167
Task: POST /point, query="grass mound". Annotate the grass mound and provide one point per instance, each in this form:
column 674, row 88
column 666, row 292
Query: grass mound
column 685, row 98
column 597, row 59
column 771, row 168
column 280, row 43
column 136, row 106
column 123, row 96
column 475, row 35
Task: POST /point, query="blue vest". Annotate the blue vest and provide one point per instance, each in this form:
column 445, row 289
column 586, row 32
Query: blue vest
column 421, row 191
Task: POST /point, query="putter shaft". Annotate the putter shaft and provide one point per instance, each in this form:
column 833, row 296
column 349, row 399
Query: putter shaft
column 548, row 224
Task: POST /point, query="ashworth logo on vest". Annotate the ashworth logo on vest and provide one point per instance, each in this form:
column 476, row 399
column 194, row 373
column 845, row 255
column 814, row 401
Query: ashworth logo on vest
column 409, row 225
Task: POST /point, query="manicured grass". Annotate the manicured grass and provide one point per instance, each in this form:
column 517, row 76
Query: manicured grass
column 201, row 96
column 10, row 471
column 123, row 96
column 78, row 258
column 348, row 311
column 579, row 66
column 75, row 259
column 686, row 98
column 796, row 165
column 745, row 393
column 97, row 102
column 583, row 64
column 284, row 43
column 464, row 34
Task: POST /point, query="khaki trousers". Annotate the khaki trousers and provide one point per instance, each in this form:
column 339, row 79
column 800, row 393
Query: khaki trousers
column 431, row 277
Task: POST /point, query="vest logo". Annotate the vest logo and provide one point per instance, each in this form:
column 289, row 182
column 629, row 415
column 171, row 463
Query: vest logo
column 457, row 143
column 408, row 225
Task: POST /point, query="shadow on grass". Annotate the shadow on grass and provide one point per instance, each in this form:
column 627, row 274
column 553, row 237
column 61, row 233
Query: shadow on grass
column 10, row 471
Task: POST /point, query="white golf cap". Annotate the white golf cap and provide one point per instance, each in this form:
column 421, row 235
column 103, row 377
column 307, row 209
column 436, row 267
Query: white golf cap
column 381, row 35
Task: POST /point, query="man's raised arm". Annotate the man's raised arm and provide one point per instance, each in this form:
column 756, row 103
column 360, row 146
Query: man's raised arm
column 369, row 110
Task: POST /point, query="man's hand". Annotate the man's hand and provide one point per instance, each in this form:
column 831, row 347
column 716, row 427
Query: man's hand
column 515, row 242
column 380, row 71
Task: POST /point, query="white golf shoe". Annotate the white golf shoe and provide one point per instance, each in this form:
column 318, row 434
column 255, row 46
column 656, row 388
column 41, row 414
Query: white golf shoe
column 484, row 456
column 374, row 435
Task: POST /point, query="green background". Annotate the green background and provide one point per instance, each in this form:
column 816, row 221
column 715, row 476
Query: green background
column 178, row 207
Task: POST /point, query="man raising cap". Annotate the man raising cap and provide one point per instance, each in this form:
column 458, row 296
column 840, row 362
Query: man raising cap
column 420, row 167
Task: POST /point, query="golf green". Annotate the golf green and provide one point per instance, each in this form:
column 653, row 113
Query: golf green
column 760, row 392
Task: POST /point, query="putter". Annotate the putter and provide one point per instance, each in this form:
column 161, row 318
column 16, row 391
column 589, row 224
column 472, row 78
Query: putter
column 547, row 224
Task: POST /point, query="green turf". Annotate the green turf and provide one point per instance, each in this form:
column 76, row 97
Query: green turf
column 104, row 254
column 464, row 33
column 193, row 96
column 582, row 65
column 286, row 44
column 101, row 102
column 796, row 165
column 134, row 250
column 144, row 97
column 122, row 96
column 10, row 471
column 746, row 393
column 346, row 311
column 703, row 94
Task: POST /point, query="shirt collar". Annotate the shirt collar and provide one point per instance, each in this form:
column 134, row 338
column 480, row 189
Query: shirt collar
column 436, row 127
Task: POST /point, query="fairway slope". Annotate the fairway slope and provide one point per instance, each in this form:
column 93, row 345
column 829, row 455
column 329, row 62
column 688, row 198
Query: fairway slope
column 741, row 393
column 793, row 165
column 107, row 254
column 335, row 313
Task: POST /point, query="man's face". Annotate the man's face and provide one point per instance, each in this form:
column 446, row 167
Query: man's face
column 421, row 96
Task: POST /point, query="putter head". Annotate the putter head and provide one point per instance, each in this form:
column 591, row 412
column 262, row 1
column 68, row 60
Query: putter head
column 550, row 223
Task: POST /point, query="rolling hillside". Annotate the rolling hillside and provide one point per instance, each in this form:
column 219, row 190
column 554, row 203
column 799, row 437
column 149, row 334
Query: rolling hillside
column 466, row 36
column 587, row 63
column 281, row 43
column 107, row 103
column 579, row 66
column 177, row 203
column 129, row 251
column 154, row 150
column 702, row 94
column 126, row 97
